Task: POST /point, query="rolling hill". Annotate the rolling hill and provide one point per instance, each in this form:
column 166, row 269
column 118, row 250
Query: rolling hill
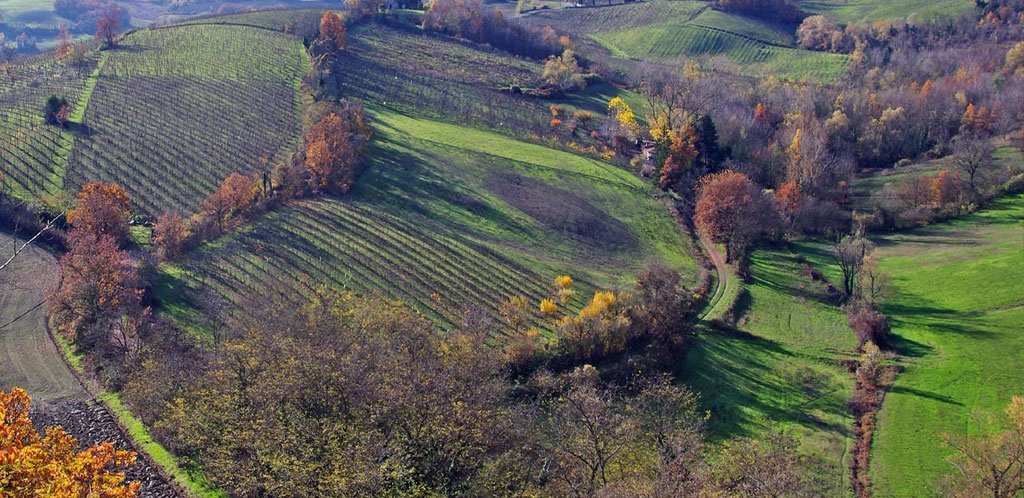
column 670, row 31
column 163, row 114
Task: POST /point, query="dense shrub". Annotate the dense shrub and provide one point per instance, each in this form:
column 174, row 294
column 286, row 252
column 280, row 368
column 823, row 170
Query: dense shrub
column 869, row 324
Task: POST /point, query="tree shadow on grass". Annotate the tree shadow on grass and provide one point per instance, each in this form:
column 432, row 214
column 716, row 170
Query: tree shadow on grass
column 406, row 183
column 915, row 311
column 925, row 394
column 908, row 348
column 738, row 379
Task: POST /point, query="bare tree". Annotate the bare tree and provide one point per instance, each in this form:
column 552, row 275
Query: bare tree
column 989, row 465
column 18, row 249
column 973, row 159
column 849, row 253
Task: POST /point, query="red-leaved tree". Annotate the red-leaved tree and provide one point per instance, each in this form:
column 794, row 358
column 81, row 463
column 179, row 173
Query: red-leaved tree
column 233, row 197
column 108, row 25
column 334, row 147
column 731, row 209
column 101, row 209
column 99, row 286
column 331, row 28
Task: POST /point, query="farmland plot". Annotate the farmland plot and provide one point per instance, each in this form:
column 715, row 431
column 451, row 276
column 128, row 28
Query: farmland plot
column 28, row 357
column 449, row 218
column 33, row 154
column 177, row 109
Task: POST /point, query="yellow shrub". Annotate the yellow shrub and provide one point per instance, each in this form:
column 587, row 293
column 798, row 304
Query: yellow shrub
column 548, row 307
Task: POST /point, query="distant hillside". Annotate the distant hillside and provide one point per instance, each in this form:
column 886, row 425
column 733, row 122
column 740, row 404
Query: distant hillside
column 670, row 31
column 846, row 11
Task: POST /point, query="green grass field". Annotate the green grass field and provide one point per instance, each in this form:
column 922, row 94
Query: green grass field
column 669, row 31
column 780, row 367
column 1006, row 157
column 957, row 309
column 198, row 122
column 28, row 358
column 449, row 217
column 855, row 11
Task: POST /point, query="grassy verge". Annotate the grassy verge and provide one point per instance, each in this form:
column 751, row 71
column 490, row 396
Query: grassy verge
column 957, row 306
column 195, row 483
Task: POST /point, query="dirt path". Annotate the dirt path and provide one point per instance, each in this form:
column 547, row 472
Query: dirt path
column 718, row 302
column 28, row 357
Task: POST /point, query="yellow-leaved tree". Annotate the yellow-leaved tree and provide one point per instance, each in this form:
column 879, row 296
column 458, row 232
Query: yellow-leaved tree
column 49, row 466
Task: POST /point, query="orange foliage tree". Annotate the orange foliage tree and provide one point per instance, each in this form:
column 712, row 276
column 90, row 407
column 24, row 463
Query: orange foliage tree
column 682, row 153
column 48, row 466
column 945, row 188
column 99, row 285
column 234, row 196
column 334, row 147
column 978, row 119
column 331, row 28
column 731, row 209
column 169, row 235
column 108, row 25
column 788, row 197
column 101, row 209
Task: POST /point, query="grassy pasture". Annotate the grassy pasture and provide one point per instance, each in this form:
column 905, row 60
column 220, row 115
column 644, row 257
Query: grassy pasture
column 779, row 367
column 847, row 11
column 28, row 357
column 217, row 99
column 33, row 155
column 957, row 306
column 449, row 217
column 1006, row 157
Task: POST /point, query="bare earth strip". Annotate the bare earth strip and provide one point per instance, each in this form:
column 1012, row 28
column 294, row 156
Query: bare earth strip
column 28, row 357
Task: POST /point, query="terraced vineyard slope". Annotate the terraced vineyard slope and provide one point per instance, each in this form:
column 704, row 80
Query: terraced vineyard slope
column 671, row 31
column 175, row 110
column 450, row 218
column 33, row 154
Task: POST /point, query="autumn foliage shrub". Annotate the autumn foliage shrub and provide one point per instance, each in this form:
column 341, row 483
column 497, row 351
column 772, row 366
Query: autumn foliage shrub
column 50, row 464
column 869, row 324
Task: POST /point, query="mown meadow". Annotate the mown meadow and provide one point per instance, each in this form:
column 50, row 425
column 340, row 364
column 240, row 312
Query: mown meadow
column 777, row 361
column 957, row 305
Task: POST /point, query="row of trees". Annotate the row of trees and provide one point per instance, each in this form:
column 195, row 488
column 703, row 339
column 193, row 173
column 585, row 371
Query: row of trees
column 333, row 151
column 473, row 20
column 418, row 413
